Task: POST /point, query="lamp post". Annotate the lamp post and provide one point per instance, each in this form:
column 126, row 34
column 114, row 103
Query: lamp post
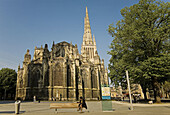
column 131, row 107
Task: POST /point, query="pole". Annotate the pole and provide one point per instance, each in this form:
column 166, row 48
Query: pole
column 131, row 107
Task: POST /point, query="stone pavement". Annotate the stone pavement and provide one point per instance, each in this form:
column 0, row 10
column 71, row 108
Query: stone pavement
column 94, row 108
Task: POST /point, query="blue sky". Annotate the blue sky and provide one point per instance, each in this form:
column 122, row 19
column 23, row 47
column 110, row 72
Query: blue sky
column 25, row 24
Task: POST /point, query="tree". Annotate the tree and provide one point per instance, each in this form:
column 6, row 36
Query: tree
column 156, row 71
column 8, row 78
column 140, row 37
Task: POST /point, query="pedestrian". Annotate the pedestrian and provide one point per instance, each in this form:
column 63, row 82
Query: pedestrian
column 60, row 97
column 134, row 98
column 123, row 98
column 82, row 104
column 34, row 98
column 39, row 101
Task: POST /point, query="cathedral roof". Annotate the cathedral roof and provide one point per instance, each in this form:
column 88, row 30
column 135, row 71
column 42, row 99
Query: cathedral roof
column 64, row 43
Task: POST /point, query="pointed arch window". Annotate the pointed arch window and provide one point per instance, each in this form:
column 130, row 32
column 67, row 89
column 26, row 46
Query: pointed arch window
column 58, row 75
column 37, row 78
column 94, row 79
column 69, row 79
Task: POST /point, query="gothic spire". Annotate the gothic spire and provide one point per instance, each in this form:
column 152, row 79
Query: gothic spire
column 86, row 12
column 87, row 37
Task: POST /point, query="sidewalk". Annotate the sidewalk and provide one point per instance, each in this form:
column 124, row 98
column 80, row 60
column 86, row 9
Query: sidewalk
column 142, row 104
column 94, row 108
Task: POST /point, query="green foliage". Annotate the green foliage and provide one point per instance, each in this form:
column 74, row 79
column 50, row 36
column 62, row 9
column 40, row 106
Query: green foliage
column 141, row 43
column 8, row 78
column 157, row 66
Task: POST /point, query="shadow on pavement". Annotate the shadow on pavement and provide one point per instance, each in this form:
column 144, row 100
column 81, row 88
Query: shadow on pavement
column 167, row 106
column 7, row 112
column 6, row 102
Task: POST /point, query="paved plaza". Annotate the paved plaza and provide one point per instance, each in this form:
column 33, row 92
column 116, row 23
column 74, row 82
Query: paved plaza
column 94, row 108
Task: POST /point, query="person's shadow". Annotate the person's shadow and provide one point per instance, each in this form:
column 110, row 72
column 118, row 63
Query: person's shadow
column 5, row 112
column 6, row 102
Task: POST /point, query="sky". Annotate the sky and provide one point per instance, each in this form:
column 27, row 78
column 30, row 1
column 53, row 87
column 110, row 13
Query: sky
column 25, row 24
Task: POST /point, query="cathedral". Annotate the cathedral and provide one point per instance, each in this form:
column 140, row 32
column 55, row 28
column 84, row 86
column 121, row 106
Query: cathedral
column 63, row 73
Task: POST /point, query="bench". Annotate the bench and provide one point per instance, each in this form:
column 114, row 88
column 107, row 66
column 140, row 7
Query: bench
column 63, row 105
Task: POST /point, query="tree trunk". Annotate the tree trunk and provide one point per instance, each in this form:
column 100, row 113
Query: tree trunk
column 5, row 95
column 144, row 91
column 156, row 88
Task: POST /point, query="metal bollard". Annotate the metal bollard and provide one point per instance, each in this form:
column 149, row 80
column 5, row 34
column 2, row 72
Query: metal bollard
column 17, row 107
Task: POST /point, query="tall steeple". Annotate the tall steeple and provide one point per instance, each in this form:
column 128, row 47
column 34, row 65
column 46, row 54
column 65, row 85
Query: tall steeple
column 89, row 45
column 87, row 37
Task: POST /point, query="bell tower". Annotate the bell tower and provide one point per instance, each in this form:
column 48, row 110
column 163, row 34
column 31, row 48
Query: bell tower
column 88, row 46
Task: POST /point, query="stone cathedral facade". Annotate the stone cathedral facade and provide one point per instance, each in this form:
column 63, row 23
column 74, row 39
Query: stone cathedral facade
column 63, row 73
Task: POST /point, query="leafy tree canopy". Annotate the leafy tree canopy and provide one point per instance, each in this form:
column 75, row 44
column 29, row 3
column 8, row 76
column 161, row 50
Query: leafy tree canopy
column 8, row 79
column 141, row 43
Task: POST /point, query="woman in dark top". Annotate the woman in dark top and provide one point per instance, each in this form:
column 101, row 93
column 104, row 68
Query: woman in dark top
column 82, row 104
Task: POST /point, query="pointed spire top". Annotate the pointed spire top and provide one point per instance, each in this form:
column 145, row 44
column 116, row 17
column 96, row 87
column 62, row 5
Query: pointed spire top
column 46, row 46
column 19, row 67
column 87, row 37
column 76, row 45
column 87, row 15
column 86, row 12
column 102, row 61
column 53, row 44
column 28, row 51
column 106, row 69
